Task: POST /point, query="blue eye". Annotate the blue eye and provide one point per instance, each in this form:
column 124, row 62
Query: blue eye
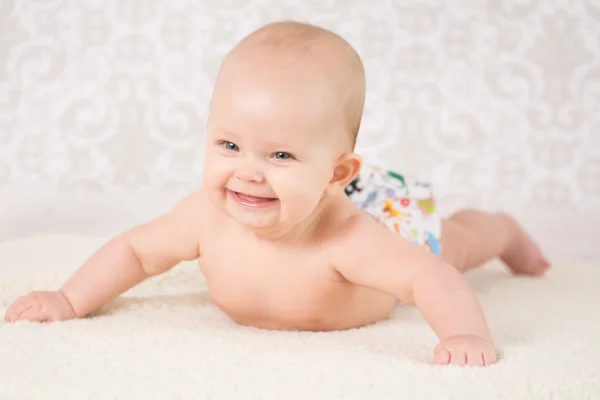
column 281, row 155
column 231, row 146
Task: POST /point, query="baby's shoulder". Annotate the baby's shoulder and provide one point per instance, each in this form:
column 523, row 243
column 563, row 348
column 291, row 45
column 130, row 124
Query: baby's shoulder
column 358, row 231
column 357, row 243
column 194, row 211
column 192, row 205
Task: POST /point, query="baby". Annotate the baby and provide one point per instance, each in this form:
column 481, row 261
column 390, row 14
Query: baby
column 290, row 230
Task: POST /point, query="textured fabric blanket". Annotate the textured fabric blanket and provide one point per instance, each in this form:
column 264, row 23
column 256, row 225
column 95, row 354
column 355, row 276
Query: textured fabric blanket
column 165, row 339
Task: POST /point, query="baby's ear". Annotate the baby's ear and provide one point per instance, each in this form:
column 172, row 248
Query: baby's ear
column 346, row 168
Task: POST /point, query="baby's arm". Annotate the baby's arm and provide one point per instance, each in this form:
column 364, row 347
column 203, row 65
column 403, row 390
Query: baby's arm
column 123, row 262
column 383, row 261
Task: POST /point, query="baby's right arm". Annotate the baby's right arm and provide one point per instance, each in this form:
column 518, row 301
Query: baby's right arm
column 123, row 262
column 390, row 264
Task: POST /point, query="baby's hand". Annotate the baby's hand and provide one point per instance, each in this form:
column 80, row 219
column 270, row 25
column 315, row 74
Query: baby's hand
column 40, row 307
column 465, row 350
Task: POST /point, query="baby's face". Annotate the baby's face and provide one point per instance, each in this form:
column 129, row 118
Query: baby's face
column 270, row 150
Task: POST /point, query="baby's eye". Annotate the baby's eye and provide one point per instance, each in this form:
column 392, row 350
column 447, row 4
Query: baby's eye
column 282, row 155
column 230, row 146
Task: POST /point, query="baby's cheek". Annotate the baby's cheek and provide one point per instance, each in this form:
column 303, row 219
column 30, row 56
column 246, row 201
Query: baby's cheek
column 217, row 174
column 295, row 184
column 297, row 190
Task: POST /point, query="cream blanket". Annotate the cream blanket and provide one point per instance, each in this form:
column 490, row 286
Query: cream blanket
column 165, row 339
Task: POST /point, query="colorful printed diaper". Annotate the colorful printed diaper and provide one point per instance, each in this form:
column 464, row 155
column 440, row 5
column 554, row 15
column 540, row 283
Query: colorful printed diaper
column 404, row 205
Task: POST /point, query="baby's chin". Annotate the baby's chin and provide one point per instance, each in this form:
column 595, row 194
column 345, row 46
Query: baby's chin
column 256, row 220
column 271, row 227
column 258, row 223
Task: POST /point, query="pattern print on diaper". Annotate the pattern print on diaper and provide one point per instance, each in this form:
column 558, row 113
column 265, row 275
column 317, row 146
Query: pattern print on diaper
column 406, row 206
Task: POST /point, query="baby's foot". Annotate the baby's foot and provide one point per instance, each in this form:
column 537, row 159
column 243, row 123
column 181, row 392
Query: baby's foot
column 523, row 256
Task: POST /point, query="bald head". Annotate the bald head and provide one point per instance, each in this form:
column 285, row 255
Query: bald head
column 307, row 55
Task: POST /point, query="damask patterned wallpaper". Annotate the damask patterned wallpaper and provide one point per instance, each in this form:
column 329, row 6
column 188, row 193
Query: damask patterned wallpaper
column 497, row 102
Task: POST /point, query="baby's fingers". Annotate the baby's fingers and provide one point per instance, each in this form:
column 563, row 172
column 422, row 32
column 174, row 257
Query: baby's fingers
column 441, row 356
column 17, row 308
column 16, row 314
column 475, row 358
column 34, row 313
column 458, row 357
column 489, row 356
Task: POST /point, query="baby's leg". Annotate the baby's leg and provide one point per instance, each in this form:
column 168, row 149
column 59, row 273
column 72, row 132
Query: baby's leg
column 471, row 237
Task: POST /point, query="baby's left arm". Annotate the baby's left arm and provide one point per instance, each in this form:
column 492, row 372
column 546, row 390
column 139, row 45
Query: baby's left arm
column 381, row 260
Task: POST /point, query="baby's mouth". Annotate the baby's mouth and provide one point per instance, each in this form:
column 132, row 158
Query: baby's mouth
column 252, row 201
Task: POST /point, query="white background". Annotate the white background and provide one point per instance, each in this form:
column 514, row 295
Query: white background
column 103, row 105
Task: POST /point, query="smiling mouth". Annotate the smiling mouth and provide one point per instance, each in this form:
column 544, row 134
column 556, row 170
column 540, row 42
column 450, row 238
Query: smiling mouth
column 253, row 201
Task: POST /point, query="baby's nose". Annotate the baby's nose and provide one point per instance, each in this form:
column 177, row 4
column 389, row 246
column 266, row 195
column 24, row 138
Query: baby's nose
column 249, row 174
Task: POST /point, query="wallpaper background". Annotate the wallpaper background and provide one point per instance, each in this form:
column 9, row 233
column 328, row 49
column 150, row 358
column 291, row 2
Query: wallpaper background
column 103, row 104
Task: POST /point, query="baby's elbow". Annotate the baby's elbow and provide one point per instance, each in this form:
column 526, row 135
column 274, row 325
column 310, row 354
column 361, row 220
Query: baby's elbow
column 441, row 277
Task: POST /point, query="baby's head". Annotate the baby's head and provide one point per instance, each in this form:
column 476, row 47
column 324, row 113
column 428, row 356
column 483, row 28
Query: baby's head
column 284, row 116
